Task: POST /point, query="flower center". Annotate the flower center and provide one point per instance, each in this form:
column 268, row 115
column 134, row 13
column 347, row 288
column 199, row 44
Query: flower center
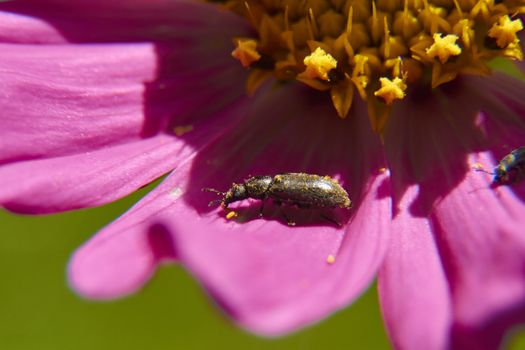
column 377, row 48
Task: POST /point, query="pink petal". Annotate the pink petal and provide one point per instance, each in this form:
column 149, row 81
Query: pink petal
column 87, row 179
column 476, row 227
column 483, row 246
column 135, row 255
column 271, row 278
column 88, row 102
column 79, row 98
column 66, row 175
column 68, row 99
column 116, row 21
column 129, row 249
column 24, row 28
column 413, row 289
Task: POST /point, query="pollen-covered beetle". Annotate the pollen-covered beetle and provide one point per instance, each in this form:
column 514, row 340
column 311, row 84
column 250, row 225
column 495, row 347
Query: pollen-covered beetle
column 511, row 168
column 303, row 190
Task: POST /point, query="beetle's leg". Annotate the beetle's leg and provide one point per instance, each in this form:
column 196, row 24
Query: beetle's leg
column 262, row 208
column 332, row 220
column 288, row 221
column 214, row 202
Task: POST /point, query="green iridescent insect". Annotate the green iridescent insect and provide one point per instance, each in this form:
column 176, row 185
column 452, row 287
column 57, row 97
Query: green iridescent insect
column 511, row 168
column 303, row 190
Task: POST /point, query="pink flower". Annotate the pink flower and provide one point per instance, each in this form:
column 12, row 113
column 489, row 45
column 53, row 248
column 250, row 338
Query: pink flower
column 100, row 98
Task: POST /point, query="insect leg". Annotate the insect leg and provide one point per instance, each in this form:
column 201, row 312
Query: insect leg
column 214, row 202
column 332, row 220
column 288, row 221
column 262, row 208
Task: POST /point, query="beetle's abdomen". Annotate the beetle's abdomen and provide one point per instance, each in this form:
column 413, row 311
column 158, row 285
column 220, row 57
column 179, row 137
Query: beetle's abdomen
column 518, row 157
column 308, row 190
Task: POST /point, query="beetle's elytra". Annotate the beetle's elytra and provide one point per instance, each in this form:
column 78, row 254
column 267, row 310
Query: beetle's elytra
column 303, row 190
column 511, row 168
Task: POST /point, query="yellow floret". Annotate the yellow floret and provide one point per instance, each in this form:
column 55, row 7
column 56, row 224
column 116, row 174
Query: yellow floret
column 391, row 89
column 246, row 52
column 505, row 31
column 318, row 64
column 444, row 47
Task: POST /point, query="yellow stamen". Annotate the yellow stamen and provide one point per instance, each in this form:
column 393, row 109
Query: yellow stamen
column 444, row 47
column 246, row 52
column 505, row 31
column 464, row 30
column 396, row 64
column 347, row 46
column 391, row 89
column 359, row 74
column 482, row 9
column 318, row 64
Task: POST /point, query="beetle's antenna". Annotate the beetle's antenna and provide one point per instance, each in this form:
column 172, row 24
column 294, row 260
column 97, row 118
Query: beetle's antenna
column 212, row 190
column 484, row 171
column 214, row 202
column 479, row 167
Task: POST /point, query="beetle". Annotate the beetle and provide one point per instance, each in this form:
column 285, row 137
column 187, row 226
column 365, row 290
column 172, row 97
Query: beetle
column 511, row 168
column 301, row 189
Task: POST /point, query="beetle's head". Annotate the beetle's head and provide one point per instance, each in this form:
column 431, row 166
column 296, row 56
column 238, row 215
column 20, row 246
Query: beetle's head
column 236, row 193
column 501, row 175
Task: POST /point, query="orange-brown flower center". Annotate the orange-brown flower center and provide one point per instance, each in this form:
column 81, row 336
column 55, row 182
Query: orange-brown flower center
column 374, row 48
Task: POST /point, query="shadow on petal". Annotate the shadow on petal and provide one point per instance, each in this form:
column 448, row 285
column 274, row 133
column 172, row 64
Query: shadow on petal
column 161, row 243
column 429, row 138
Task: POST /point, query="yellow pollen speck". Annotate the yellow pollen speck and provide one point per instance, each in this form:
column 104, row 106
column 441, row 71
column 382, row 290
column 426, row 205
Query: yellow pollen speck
column 382, row 170
column 182, row 129
column 391, row 89
column 318, row 64
column 505, row 31
column 330, row 259
column 478, row 166
column 246, row 52
column 444, row 47
column 231, row 215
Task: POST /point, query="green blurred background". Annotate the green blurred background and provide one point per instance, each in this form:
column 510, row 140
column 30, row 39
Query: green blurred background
column 38, row 311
